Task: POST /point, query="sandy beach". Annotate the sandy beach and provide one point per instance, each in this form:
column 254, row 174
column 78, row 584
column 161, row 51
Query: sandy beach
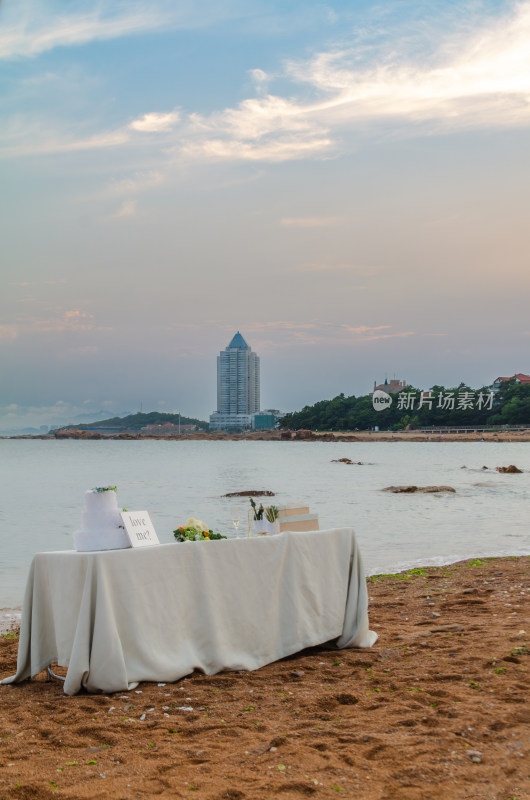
column 438, row 708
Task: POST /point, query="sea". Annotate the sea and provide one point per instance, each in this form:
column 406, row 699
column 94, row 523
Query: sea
column 42, row 484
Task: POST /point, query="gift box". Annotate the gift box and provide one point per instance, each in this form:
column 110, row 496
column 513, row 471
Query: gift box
column 294, row 517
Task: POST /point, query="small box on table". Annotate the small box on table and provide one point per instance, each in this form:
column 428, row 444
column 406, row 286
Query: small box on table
column 296, row 518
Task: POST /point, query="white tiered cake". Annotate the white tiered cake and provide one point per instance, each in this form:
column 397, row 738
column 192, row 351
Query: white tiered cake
column 102, row 527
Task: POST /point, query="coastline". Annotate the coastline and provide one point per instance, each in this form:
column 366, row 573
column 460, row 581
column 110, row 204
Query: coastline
column 10, row 618
column 517, row 435
column 437, row 708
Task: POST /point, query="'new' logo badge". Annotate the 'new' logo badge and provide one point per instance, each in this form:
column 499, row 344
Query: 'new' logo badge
column 381, row 400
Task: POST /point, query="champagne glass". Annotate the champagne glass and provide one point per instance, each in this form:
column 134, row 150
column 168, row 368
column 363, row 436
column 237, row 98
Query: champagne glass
column 235, row 514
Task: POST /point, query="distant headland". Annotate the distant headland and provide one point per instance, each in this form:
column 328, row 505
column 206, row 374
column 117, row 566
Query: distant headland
column 500, row 412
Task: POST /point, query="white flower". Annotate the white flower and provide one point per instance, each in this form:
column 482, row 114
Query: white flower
column 195, row 523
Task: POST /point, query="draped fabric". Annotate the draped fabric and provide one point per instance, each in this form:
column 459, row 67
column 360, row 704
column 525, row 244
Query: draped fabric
column 119, row 617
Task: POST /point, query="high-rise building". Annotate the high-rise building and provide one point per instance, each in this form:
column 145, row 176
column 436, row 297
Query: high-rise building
column 238, row 386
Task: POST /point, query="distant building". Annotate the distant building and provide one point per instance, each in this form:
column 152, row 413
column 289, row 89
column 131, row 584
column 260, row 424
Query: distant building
column 390, row 387
column 519, row 377
column 263, row 421
column 238, row 386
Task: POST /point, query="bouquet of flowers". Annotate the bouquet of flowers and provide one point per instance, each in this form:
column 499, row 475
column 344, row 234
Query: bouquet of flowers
column 194, row 530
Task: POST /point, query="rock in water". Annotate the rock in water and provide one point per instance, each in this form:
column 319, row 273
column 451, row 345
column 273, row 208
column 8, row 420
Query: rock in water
column 511, row 469
column 424, row 489
column 429, row 489
column 249, row 494
column 400, row 489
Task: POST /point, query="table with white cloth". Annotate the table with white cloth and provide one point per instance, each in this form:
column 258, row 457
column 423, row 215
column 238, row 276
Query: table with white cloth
column 118, row 617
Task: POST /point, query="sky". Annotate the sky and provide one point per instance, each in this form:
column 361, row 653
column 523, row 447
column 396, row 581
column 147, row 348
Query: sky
column 345, row 183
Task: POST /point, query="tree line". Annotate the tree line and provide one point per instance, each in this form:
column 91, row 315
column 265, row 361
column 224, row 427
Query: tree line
column 414, row 408
column 141, row 420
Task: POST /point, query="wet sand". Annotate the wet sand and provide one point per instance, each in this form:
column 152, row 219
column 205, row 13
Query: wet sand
column 9, row 618
column 438, row 708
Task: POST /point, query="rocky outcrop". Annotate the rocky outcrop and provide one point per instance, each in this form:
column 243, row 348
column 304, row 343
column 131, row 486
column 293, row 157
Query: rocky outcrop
column 421, row 489
column 305, row 434
column 511, row 469
column 73, row 433
column 345, row 461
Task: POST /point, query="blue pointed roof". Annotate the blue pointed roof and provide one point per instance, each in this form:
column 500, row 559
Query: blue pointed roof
column 239, row 342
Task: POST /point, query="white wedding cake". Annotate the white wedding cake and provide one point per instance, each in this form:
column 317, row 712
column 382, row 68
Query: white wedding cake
column 102, row 527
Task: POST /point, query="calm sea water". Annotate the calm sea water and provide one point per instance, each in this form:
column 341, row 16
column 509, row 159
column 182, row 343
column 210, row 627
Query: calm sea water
column 43, row 482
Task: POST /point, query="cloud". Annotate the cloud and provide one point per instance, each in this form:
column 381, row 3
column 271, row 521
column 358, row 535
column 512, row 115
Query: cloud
column 35, row 139
column 476, row 77
column 138, row 182
column 320, row 331
column 30, row 28
column 282, row 148
column 259, row 76
column 127, row 209
column 364, row 328
column 475, row 74
column 467, row 79
column 30, row 35
column 76, row 314
column 8, row 332
column 397, row 335
column 155, row 122
column 71, row 321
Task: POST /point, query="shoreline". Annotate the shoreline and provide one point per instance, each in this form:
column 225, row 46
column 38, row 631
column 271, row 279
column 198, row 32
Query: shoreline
column 437, row 708
column 520, row 435
column 10, row 618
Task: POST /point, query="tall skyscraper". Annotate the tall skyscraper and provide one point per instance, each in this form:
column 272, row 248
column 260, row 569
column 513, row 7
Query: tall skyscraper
column 238, row 386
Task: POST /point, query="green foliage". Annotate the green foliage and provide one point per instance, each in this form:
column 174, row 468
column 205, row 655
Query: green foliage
column 191, row 534
column 137, row 421
column 271, row 513
column 511, row 406
column 258, row 512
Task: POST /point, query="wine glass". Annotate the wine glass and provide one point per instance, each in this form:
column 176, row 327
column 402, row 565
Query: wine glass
column 235, row 514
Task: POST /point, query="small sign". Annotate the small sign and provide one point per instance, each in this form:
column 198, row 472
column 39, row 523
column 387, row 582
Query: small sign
column 139, row 528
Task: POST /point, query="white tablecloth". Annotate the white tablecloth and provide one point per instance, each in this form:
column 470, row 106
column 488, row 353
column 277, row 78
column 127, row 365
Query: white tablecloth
column 119, row 617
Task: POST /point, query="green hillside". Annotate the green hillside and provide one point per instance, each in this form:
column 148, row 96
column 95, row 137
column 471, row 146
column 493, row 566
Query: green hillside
column 509, row 406
column 138, row 421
